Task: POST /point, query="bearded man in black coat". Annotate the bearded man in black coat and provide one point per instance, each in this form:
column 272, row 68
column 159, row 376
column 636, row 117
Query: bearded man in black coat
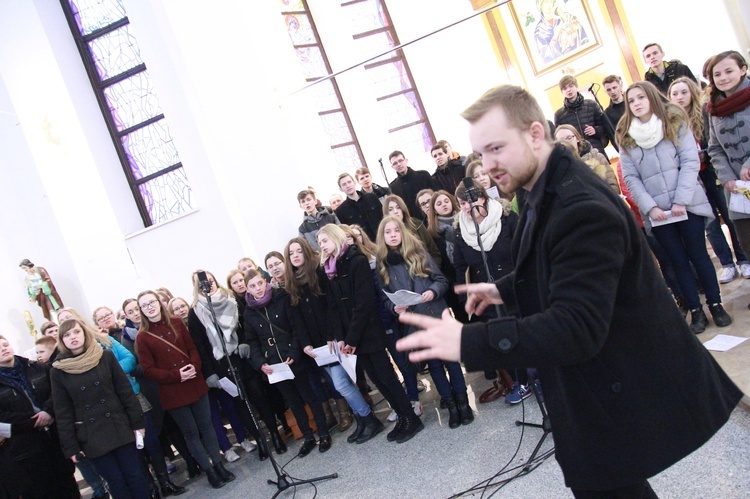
column 629, row 390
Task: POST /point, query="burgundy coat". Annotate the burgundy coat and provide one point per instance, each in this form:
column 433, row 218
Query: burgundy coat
column 162, row 363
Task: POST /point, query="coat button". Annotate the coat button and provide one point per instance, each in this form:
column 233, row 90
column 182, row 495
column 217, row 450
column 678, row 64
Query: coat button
column 101, row 401
column 96, row 383
column 174, row 365
column 504, row 344
column 617, row 387
column 88, row 407
column 92, row 420
column 168, row 350
column 83, row 388
column 106, row 415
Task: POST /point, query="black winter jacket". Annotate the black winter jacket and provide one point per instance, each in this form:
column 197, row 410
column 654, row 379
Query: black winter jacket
column 449, row 177
column 270, row 333
column 367, row 212
column 408, row 185
column 353, row 305
column 672, row 70
column 580, row 113
column 96, row 411
column 16, row 408
column 312, row 316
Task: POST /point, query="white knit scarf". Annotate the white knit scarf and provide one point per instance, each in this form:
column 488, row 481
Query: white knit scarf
column 648, row 134
column 489, row 228
column 226, row 315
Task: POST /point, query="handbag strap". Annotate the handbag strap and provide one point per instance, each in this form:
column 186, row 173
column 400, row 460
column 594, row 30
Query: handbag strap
column 169, row 343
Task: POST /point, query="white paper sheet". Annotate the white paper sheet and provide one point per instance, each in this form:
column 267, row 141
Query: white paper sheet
column 723, row 342
column 404, row 297
column 324, row 355
column 348, row 362
column 281, row 372
column 229, row 387
column 670, row 219
column 737, row 200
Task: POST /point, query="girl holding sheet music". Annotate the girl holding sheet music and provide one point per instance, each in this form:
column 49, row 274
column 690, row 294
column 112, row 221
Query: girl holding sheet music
column 659, row 159
column 303, row 277
column 403, row 263
column 354, row 321
column 270, row 329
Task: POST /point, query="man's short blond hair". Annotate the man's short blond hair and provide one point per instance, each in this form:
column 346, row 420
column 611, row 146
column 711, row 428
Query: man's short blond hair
column 520, row 107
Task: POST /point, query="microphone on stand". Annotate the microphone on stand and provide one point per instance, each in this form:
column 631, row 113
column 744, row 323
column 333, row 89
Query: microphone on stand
column 591, row 88
column 203, row 283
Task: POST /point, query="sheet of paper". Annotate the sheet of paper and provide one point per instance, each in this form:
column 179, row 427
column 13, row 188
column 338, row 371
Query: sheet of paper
column 229, row 387
column 404, row 297
column 739, row 201
column 670, row 219
column 281, row 372
column 324, row 355
column 348, row 362
column 723, row 342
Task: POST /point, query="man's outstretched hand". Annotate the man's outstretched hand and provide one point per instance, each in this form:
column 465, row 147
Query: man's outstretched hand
column 481, row 296
column 436, row 339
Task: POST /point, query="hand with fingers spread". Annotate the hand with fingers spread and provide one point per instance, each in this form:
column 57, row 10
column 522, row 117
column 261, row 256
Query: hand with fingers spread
column 436, row 339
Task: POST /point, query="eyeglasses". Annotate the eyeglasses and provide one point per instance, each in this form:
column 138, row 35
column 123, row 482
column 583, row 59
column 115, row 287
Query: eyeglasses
column 104, row 317
column 150, row 304
column 424, row 204
column 274, row 265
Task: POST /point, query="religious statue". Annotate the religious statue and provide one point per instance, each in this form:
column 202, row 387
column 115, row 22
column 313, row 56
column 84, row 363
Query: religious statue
column 39, row 287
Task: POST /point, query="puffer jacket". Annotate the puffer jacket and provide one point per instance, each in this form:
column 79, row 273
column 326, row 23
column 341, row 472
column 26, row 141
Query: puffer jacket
column 399, row 278
column 666, row 174
column 729, row 144
column 672, row 70
column 311, row 224
column 580, row 113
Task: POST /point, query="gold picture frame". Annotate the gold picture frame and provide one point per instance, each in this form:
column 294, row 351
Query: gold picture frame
column 554, row 31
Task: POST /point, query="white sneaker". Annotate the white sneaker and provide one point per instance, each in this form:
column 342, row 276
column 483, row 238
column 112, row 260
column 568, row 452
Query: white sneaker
column 392, row 417
column 729, row 274
column 417, row 408
column 248, row 446
column 745, row 270
column 231, row 456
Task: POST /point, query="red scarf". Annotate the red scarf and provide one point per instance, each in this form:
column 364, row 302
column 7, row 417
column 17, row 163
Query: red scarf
column 730, row 105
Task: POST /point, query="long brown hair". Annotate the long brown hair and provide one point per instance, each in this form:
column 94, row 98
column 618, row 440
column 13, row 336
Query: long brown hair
column 90, row 336
column 412, row 250
column 365, row 245
column 307, row 274
column 671, row 115
column 695, row 109
column 432, row 220
column 407, row 221
column 145, row 324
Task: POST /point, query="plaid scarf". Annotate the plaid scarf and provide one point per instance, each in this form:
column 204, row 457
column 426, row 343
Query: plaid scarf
column 16, row 377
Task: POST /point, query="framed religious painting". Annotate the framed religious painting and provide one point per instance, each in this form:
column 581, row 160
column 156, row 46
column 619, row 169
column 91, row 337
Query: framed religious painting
column 553, row 31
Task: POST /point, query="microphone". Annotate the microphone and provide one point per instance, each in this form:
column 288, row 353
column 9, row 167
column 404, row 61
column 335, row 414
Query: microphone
column 203, row 282
column 472, row 191
column 591, row 87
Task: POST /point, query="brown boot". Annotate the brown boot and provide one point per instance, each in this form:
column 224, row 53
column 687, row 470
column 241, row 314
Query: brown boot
column 331, row 421
column 345, row 414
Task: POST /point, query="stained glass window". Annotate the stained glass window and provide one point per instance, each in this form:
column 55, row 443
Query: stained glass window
column 330, row 105
column 397, row 96
column 131, row 109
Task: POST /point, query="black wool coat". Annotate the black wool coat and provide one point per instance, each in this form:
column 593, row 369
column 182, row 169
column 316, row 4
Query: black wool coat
column 352, row 304
column 312, row 316
column 367, row 212
column 449, row 177
column 270, row 332
column 16, row 408
column 96, row 411
column 408, row 185
column 618, row 364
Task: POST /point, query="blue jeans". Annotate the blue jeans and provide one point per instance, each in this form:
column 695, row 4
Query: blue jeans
column 346, row 387
column 124, row 477
column 442, row 385
column 408, row 370
column 195, row 418
column 685, row 243
column 718, row 200
column 86, row 467
column 217, row 396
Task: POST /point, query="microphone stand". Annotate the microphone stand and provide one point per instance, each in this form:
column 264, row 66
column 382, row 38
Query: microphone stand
column 382, row 169
column 610, row 127
column 283, row 481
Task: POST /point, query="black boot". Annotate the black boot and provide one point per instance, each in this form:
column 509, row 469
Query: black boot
column 331, row 421
column 372, row 426
column 699, row 321
column 192, row 467
column 464, row 409
column 226, row 475
column 720, row 316
column 168, row 488
column 410, row 427
column 278, row 443
column 324, row 443
column 393, row 434
column 357, row 431
column 307, row 446
column 214, row 479
column 454, row 418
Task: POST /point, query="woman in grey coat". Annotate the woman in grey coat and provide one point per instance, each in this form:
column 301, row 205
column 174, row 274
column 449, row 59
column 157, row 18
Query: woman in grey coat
column 729, row 142
column 659, row 159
